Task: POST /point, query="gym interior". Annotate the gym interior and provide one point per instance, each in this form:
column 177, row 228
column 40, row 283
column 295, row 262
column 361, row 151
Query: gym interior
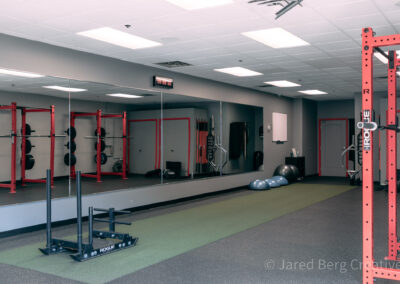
column 187, row 141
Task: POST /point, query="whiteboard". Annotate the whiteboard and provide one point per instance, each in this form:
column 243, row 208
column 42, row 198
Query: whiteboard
column 279, row 127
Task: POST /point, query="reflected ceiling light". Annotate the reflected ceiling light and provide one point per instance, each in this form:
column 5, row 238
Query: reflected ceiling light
column 276, row 38
column 199, row 4
column 124, row 96
column 239, row 71
column 65, row 89
column 119, row 38
column 313, row 92
column 20, row 74
column 382, row 58
column 282, row 84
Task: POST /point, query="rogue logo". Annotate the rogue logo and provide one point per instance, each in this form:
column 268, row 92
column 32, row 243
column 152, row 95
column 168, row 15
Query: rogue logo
column 102, row 250
column 367, row 132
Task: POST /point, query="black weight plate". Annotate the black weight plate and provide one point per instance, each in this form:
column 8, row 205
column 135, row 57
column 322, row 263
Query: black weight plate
column 73, row 146
column 102, row 132
column 102, row 145
column 28, row 146
column 71, row 132
column 29, row 162
column 28, row 129
column 103, row 158
column 66, row 159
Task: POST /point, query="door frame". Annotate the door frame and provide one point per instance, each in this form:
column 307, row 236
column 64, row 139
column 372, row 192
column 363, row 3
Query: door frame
column 320, row 138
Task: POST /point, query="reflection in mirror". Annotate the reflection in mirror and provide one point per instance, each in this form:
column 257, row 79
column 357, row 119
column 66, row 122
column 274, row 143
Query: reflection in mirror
column 242, row 131
column 116, row 142
column 33, row 118
column 191, row 135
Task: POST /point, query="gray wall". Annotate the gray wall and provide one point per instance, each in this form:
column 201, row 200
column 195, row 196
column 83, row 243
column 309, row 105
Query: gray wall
column 305, row 133
column 309, row 136
column 336, row 109
column 20, row 54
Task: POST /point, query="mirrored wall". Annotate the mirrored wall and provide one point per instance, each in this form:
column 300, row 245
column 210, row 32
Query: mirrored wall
column 117, row 137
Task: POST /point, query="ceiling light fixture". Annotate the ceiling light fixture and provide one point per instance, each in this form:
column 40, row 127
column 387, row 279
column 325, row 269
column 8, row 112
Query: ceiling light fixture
column 65, row 89
column 282, row 84
column 119, row 38
column 199, row 4
column 313, row 92
column 124, row 96
column 276, row 38
column 239, row 71
column 20, row 74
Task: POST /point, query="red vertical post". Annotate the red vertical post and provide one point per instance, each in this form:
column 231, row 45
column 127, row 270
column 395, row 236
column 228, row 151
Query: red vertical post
column 72, row 124
column 392, row 157
column 52, row 142
column 98, row 161
column 367, row 170
column 23, row 146
column 124, row 145
column 347, row 145
column 13, row 147
column 129, row 145
column 319, row 147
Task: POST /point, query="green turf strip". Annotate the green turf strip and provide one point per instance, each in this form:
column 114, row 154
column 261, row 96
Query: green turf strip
column 168, row 235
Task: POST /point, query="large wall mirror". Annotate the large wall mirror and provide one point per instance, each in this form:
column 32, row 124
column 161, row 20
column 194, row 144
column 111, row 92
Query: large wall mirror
column 117, row 137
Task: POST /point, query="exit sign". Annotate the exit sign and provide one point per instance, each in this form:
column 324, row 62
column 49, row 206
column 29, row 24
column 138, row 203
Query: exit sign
column 163, row 82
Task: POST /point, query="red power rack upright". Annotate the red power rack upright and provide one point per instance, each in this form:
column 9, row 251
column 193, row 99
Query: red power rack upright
column 371, row 44
column 13, row 137
column 52, row 136
column 99, row 116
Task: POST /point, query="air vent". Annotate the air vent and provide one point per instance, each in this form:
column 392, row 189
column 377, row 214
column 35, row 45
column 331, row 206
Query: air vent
column 173, row 64
column 265, row 86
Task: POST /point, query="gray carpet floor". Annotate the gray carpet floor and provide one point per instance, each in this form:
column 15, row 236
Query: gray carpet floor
column 318, row 244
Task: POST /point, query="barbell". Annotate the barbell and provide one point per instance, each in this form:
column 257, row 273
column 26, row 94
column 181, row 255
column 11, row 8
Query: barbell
column 30, row 136
column 121, row 137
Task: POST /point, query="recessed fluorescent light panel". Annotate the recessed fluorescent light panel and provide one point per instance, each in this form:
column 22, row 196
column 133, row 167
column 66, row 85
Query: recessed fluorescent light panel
column 199, row 4
column 382, row 58
column 276, row 38
column 20, row 74
column 119, row 38
column 65, row 89
column 313, row 92
column 239, row 71
column 282, row 84
column 124, row 96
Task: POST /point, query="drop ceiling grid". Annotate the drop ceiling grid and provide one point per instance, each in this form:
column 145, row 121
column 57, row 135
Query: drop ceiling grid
column 211, row 37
